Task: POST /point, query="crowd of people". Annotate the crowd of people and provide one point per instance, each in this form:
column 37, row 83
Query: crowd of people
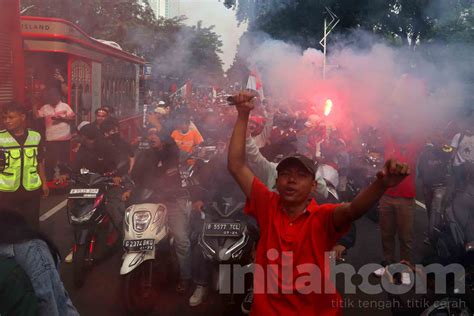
column 279, row 156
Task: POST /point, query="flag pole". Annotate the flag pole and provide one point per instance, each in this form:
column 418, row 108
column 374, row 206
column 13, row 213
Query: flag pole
column 328, row 27
column 324, row 48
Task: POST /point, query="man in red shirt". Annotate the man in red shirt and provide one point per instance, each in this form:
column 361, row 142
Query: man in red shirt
column 290, row 276
column 397, row 206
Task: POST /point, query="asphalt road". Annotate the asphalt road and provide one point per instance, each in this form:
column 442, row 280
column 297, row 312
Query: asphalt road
column 101, row 294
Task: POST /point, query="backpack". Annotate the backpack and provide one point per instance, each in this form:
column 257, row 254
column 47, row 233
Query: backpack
column 17, row 296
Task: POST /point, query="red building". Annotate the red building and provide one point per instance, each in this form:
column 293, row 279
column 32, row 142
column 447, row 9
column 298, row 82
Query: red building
column 11, row 53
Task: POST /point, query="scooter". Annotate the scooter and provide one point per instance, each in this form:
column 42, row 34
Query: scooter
column 148, row 247
column 93, row 228
column 146, row 239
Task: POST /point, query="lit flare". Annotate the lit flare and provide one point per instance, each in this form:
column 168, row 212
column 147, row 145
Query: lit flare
column 327, row 107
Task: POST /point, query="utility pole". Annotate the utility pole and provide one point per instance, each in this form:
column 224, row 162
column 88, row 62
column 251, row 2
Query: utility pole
column 328, row 27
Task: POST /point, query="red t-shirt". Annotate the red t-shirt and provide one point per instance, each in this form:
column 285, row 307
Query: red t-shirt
column 406, row 153
column 280, row 276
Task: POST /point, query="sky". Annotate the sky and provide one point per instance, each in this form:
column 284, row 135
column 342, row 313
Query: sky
column 213, row 12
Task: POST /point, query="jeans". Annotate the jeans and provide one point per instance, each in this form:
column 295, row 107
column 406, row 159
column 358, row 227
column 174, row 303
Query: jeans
column 35, row 258
column 56, row 152
column 202, row 267
column 179, row 227
column 434, row 197
column 463, row 207
column 396, row 215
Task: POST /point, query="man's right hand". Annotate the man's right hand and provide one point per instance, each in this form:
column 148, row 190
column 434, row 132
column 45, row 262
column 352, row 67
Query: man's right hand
column 244, row 101
column 198, row 205
column 126, row 195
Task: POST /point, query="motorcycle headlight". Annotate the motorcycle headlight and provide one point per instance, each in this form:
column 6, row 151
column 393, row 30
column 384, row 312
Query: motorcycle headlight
column 83, row 218
column 141, row 221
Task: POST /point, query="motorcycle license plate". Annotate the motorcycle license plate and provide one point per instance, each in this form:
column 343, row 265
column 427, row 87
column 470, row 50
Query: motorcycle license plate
column 139, row 245
column 83, row 193
column 222, row 229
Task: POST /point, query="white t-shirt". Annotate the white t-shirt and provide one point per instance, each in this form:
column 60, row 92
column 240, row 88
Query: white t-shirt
column 56, row 131
column 465, row 152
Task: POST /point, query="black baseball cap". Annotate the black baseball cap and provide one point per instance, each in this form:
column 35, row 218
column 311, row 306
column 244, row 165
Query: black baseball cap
column 303, row 161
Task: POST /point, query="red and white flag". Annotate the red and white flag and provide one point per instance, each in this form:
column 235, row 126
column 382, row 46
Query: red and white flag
column 254, row 83
column 185, row 91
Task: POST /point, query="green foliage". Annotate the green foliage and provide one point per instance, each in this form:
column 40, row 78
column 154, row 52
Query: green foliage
column 133, row 25
column 401, row 22
column 238, row 71
column 205, row 64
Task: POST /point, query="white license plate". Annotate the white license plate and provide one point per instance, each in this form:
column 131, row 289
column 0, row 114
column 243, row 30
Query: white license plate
column 139, row 245
column 84, row 191
column 222, row 229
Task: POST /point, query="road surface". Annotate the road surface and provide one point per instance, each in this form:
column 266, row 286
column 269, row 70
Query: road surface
column 101, row 294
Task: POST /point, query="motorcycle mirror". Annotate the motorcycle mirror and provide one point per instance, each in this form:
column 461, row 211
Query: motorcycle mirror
column 122, row 166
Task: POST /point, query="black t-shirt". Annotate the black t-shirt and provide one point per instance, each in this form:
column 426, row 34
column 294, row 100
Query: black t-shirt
column 157, row 169
column 98, row 159
column 123, row 152
column 215, row 181
column 122, row 147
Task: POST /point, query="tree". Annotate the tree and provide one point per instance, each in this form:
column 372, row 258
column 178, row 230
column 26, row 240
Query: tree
column 402, row 22
column 205, row 62
column 238, row 71
column 133, row 25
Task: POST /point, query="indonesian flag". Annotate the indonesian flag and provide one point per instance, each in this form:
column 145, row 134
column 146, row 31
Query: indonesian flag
column 254, row 83
column 186, row 90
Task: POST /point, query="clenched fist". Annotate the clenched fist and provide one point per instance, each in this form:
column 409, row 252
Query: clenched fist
column 393, row 173
column 243, row 101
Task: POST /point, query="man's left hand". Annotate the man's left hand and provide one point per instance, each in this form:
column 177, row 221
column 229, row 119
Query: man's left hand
column 339, row 251
column 393, row 173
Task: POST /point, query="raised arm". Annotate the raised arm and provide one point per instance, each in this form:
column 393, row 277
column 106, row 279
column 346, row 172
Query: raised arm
column 393, row 173
column 236, row 157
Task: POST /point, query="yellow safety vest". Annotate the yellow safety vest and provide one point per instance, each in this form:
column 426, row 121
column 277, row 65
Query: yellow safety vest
column 21, row 164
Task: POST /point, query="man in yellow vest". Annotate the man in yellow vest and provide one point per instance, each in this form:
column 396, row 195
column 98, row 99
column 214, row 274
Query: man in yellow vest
column 22, row 175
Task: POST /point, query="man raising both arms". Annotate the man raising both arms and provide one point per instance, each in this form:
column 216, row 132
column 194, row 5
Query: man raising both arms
column 295, row 232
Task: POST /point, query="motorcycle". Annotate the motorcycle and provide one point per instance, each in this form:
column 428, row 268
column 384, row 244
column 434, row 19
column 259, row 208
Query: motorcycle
column 228, row 236
column 451, row 246
column 94, row 233
column 146, row 241
column 362, row 172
